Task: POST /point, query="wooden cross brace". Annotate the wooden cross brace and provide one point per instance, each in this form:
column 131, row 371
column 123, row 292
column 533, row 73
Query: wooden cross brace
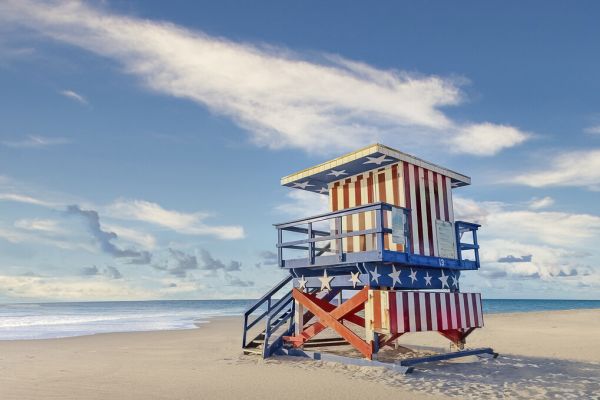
column 328, row 297
column 389, row 340
column 330, row 316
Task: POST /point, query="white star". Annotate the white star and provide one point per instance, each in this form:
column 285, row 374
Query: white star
column 301, row 185
column 413, row 276
column 374, row 275
column 377, row 160
column 326, row 281
column 323, row 190
column 454, row 281
column 395, row 275
column 355, row 278
column 444, row 279
column 302, row 283
column 428, row 279
column 337, row 173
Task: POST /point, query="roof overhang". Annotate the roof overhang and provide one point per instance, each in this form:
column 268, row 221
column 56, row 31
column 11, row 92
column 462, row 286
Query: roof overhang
column 375, row 156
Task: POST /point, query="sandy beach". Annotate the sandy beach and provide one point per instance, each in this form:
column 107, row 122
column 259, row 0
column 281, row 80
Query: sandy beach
column 543, row 355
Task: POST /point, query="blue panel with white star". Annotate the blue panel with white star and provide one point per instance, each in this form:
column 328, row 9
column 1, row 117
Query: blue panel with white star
column 318, row 182
column 379, row 275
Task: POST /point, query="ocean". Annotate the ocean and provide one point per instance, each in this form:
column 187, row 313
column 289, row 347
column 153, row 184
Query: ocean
column 54, row 320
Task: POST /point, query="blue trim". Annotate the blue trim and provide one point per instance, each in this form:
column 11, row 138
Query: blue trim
column 447, row 356
column 278, row 312
column 341, row 277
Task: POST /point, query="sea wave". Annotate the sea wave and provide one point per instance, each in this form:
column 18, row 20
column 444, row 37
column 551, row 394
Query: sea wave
column 54, row 320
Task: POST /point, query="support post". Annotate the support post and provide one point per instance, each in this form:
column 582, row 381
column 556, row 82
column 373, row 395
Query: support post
column 279, row 248
column 339, row 241
column 369, row 332
column 407, row 230
column 458, row 238
column 298, row 318
column 245, row 330
column 379, row 218
column 311, row 245
column 476, row 245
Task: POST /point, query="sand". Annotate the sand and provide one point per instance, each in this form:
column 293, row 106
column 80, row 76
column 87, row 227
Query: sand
column 543, row 355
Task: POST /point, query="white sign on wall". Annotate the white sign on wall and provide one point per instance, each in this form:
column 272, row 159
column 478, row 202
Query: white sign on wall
column 446, row 239
column 398, row 226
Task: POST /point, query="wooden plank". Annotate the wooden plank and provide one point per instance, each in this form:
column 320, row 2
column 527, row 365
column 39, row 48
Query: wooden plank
column 377, row 310
column 338, row 313
column 327, row 319
column 369, row 332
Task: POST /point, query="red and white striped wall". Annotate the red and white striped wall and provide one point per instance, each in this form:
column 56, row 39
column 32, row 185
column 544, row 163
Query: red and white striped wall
column 428, row 194
column 408, row 311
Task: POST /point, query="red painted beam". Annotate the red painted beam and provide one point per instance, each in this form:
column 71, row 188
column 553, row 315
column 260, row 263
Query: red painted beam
column 390, row 340
column 337, row 312
column 331, row 319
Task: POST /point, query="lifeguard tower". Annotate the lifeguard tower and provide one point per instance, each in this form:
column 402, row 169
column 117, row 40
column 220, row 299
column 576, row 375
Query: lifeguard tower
column 390, row 242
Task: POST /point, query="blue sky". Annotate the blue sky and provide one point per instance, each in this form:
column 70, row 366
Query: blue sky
column 141, row 144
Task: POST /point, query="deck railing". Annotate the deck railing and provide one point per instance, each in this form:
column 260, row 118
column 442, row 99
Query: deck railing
column 326, row 236
column 267, row 304
column 318, row 241
column 462, row 227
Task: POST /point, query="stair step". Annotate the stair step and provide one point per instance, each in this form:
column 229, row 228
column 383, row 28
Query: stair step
column 253, row 351
column 332, row 343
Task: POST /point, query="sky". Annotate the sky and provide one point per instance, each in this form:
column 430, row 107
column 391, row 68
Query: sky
column 142, row 142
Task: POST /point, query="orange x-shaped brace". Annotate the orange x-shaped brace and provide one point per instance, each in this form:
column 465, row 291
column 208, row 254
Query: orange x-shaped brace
column 331, row 316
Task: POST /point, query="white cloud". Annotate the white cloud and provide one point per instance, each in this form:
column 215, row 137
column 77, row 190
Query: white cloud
column 143, row 239
column 34, row 141
column 531, row 243
column 13, row 236
column 74, row 96
column 42, row 225
column 544, row 202
column 593, row 130
column 65, row 288
column 474, row 211
column 18, row 235
column 140, row 210
column 546, row 227
column 576, row 168
column 282, row 98
column 487, row 139
column 547, row 262
column 553, row 228
column 22, row 198
column 303, row 204
column 186, row 223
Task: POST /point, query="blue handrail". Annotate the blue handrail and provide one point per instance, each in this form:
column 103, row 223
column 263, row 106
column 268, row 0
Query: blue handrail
column 268, row 299
column 462, row 227
column 278, row 316
column 315, row 236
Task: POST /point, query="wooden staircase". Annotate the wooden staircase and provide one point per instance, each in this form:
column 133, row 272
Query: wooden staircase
column 275, row 314
column 278, row 318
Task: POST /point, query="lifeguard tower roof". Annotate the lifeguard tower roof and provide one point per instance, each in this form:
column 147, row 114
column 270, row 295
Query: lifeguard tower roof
column 317, row 178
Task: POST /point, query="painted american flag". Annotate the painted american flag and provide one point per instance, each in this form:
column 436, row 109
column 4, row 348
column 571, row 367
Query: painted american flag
column 427, row 193
column 416, row 311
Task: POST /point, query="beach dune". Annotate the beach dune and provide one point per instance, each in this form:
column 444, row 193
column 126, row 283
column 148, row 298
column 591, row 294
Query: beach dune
column 543, row 354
